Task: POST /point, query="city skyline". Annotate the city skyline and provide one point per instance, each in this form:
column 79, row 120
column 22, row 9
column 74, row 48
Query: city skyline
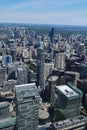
column 64, row 12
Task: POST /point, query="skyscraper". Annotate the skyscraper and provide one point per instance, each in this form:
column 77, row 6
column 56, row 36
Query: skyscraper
column 2, row 75
column 51, row 35
column 40, row 67
column 68, row 100
column 60, row 61
column 22, row 75
column 27, row 107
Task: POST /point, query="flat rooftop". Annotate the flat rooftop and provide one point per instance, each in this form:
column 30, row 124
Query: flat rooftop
column 67, row 91
column 25, row 86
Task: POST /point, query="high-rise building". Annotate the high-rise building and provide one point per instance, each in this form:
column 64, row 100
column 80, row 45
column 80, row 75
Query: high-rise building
column 6, row 59
column 11, row 71
column 60, row 61
column 68, row 100
column 72, row 77
column 25, row 53
column 51, row 35
column 80, row 49
column 82, row 85
column 13, row 53
column 2, row 75
column 48, row 69
column 53, row 82
column 27, row 107
column 40, row 67
column 22, row 75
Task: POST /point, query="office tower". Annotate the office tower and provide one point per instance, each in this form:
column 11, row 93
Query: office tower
column 22, row 75
column 6, row 59
column 2, row 75
column 68, row 101
column 48, row 69
column 71, row 77
column 11, row 71
column 32, row 76
column 75, row 123
column 51, row 35
column 52, row 82
column 60, row 61
column 13, row 54
column 6, row 122
column 80, row 49
column 40, row 67
column 27, row 107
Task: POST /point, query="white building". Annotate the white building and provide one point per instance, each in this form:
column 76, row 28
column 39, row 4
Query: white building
column 60, row 61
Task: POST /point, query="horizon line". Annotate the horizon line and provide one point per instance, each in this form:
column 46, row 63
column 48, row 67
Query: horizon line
column 53, row 24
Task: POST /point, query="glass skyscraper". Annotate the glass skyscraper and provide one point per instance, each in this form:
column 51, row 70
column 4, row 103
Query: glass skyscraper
column 27, row 107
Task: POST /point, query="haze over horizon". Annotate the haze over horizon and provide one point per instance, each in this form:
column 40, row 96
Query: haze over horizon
column 64, row 12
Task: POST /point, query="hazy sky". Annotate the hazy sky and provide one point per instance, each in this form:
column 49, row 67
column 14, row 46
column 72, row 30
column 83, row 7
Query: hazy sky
column 66, row 12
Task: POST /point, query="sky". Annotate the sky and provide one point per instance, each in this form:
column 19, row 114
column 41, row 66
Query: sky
column 62, row 12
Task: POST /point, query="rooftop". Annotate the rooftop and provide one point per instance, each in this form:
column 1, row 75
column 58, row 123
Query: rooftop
column 67, row 91
column 53, row 78
column 4, row 104
column 25, row 86
column 8, row 122
column 43, row 114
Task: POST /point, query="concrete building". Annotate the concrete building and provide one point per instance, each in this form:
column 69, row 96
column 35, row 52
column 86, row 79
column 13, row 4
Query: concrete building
column 27, row 107
column 48, row 69
column 75, row 123
column 60, row 61
column 40, row 68
column 68, row 100
column 9, row 85
column 25, row 53
column 53, row 82
column 43, row 116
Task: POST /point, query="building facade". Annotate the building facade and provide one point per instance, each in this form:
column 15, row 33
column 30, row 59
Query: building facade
column 60, row 61
column 68, row 100
column 27, row 107
column 40, row 67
